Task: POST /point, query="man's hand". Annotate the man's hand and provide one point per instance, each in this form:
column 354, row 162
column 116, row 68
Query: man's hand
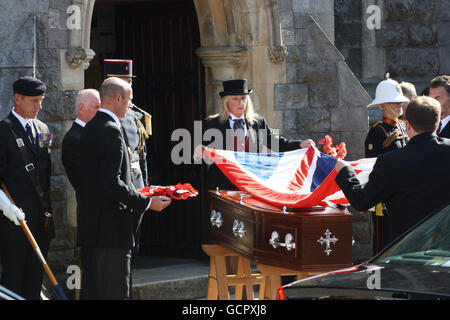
column 341, row 164
column 307, row 143
column 159, row 203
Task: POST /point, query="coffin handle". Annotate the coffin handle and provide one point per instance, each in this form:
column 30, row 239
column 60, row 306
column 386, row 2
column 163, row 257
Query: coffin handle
column 216, row 219
column 274, row 241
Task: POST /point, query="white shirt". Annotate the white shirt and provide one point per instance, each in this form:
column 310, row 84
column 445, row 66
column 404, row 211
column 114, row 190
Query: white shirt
column 24, row 122
column 80, row 122
column 444, row 123
column 233, row 117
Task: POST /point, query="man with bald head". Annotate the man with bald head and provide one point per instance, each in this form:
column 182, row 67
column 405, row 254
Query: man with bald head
column 109, row 204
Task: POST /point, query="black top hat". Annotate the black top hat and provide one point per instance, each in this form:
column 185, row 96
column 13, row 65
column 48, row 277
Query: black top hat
column 235, row 88
column 118, row 68
column 29, row 86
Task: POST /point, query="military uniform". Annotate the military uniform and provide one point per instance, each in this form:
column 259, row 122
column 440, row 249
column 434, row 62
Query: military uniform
column 385, row 135
column 135, row 136
column 22, row 271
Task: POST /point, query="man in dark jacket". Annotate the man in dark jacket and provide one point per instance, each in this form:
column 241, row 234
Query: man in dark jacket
column 411, row 181
column 87, row 104
column 109, row 204
column 25, row 169
column 440, row 90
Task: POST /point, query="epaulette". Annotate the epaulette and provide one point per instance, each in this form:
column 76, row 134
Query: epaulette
column 147, row 120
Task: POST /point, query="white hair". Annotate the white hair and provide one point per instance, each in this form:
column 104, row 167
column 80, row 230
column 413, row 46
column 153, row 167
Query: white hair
column 85, row 95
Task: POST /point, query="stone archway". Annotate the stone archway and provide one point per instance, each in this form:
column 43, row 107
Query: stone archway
column 242, row 39
column 237, row 38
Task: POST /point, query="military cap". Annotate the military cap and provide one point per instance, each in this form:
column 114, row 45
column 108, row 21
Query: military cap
column 29, row 86
column 121, row 68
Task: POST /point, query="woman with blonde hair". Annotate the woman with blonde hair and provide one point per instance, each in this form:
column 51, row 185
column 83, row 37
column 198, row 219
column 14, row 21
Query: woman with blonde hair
column 237, row 127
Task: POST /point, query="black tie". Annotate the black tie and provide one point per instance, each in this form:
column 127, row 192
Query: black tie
column 30, row 135
column 238, row 128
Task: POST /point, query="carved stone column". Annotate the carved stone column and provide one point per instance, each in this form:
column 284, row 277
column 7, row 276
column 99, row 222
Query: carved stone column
column 222, row 63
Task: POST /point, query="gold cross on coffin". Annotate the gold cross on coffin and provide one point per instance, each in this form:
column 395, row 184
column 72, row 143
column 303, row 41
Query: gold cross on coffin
column 327, row 240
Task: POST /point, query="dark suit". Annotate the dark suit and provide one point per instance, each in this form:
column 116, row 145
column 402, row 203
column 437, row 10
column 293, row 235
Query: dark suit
column 445, row 132
column 259, row 135
column 109, row 206
column 412, row 182
column 71, row 155
column 22, row 272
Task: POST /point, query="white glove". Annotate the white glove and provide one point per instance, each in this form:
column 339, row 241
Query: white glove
column 14, row 214
column 10, row 210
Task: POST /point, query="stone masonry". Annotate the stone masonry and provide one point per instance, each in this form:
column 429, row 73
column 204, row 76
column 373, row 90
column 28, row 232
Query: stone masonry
column 321, row 94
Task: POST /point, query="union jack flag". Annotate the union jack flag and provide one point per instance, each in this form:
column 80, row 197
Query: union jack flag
column 299, row 178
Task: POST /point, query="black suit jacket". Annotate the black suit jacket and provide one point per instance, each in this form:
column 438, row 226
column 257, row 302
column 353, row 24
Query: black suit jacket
column 71, row 155
column 109, row 204
column 445, row 132
column 18, row 182
column 260, row 135
column 412, row 182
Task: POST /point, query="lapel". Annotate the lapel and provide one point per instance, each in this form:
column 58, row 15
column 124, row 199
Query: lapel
column 253, row 135
column 76, row 130
column 20, row 131
column 445, row 133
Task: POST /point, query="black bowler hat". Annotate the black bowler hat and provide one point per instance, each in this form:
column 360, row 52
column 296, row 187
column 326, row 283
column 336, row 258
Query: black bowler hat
column 29, row 86
column 120, row 68
column 235, row 88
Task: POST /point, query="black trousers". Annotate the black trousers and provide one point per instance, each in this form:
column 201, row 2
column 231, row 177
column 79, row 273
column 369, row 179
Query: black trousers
column 382, row 232
column 22, row 272
column 106, row 274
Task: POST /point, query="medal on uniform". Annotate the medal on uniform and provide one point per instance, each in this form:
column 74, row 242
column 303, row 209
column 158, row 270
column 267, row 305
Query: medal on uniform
column 45, row 140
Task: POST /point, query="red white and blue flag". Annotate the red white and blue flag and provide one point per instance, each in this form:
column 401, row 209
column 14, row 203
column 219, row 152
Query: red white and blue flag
column 299, row 178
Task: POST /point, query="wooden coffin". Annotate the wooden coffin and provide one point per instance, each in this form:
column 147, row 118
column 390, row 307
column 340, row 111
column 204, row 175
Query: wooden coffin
column 307, row 239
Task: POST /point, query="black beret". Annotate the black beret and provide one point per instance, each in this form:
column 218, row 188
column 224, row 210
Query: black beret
column 29, row 86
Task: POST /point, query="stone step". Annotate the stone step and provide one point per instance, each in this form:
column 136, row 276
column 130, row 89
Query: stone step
column 179, row 281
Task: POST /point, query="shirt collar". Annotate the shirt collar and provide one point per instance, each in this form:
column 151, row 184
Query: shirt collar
column 22, row 120
column 80, row 122
column 116, row 119
column 444, row 122
column 233, row 117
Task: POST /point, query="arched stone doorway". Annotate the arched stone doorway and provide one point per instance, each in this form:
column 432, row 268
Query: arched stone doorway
column 233, row 36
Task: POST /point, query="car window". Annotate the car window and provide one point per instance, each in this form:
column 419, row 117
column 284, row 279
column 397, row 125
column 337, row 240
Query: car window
column 427, row 244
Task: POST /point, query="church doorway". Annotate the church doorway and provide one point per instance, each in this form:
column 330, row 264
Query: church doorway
column 161, row 38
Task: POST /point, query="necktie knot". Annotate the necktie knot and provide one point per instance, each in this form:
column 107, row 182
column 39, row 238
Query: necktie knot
column 238, row 124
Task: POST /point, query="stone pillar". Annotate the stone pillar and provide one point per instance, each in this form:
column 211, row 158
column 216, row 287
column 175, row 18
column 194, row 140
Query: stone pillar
column 222, row 63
